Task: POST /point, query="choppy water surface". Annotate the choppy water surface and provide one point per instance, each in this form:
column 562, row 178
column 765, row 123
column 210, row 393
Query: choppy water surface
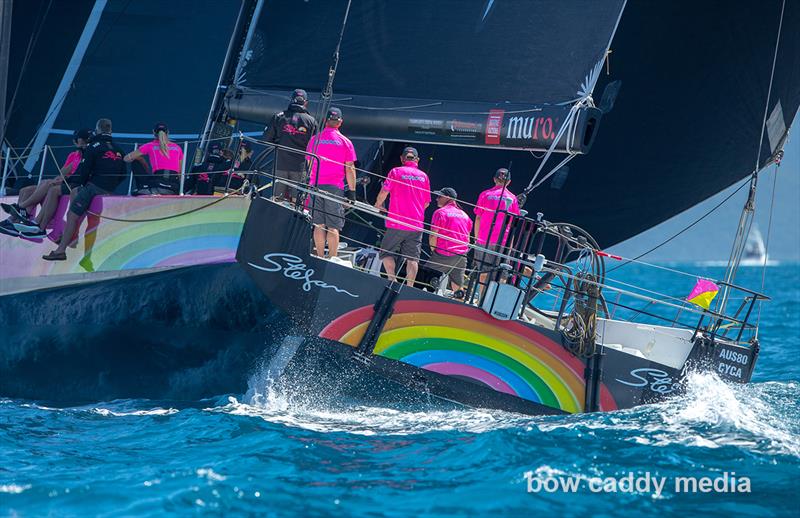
column 276, row 452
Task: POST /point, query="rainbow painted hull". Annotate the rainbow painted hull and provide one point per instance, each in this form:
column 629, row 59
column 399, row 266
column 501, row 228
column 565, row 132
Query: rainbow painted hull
column 140, row 234
column 437, row 346
column 150, row 303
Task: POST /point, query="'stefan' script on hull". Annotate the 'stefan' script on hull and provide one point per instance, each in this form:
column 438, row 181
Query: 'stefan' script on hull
column 660, row 382
column 294, row 268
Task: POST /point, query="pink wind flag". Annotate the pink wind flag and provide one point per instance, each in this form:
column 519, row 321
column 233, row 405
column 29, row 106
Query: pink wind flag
column 703, row 293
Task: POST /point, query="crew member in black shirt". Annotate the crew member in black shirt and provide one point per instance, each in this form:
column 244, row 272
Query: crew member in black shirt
column 204, row 176
column 99, row 173
column 292, row 128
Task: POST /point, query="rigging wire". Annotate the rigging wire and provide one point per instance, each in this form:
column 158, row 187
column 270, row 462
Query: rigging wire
column 748, row 212
column 327, row 93
column 28, row 52
column 766, row 245
column 86, row 57
column 690, row 225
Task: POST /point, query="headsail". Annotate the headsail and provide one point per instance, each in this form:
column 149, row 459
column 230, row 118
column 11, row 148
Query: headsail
column 491, row 74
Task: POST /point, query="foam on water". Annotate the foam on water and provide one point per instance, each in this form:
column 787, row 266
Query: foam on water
column 710, row 414
column 282, row 449
column 295, row 406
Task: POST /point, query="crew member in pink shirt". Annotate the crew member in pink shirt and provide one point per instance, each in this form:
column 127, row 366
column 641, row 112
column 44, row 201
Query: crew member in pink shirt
column 490, row 217
column 166, row 161
column 451, row 228
column 409, row 194
column 337, row 158
column 22, row 223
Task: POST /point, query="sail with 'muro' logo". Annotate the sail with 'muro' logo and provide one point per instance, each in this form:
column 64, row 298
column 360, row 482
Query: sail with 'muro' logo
column 681, row 94
column 490, row 74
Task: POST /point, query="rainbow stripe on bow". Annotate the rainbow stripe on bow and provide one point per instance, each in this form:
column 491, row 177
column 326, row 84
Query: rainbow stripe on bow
column 464, row 342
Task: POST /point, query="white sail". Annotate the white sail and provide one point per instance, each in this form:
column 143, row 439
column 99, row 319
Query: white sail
column 755, row 253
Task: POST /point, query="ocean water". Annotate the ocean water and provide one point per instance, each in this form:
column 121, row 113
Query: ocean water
column 275, row 453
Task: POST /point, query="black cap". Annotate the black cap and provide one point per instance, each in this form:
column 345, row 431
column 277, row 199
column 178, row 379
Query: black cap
column 246, row 145
column 299, row 96
column 334, row 114
column 448, row 192
column 83, row 133
column 410, row 152
column 160, row 126
column 502, row 174
column 215, row 148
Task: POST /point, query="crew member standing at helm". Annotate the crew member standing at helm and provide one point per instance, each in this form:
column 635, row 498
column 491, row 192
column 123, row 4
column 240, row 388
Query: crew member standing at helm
column 490, row 219
column 293, row 129
column 409, row 192
column 336, row 165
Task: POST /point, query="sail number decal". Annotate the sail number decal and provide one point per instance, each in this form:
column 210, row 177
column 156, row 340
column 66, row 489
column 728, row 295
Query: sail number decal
column 293, row 267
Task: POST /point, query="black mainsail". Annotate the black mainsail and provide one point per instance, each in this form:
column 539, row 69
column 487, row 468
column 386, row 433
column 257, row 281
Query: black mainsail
column 489, row 74
column 692, row 86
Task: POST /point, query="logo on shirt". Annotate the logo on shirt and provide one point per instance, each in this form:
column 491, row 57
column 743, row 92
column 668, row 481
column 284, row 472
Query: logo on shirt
column 413, row 177
column 502, row 199
column 112, row 155
column 293, row 130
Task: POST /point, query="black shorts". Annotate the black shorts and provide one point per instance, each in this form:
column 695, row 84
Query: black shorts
column 233, row 184
column 69, row 185
column 484, row 261
column 326, row 211
column 452, row 265
column 80, row 204
column 407, row 244
column 282, row 190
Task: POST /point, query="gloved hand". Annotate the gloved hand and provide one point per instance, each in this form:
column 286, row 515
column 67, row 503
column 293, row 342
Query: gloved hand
column 351, row 195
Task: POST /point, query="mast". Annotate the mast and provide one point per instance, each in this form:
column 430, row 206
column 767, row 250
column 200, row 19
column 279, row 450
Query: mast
column 5, row 51
column 217, row 116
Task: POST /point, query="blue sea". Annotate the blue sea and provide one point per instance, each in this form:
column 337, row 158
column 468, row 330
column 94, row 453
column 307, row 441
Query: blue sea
column 277, row 453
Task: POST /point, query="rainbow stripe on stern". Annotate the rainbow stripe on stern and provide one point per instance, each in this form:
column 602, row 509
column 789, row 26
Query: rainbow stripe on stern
column 464, row 342
column 135, row 233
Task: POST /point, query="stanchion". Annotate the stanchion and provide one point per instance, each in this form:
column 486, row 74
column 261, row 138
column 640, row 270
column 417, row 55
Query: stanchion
column 5, row 171
column 130, row 177
column 183, row 165
column 41, row 166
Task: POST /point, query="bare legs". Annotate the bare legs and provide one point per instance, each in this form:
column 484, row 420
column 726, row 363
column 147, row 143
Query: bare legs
column 30, row 196
column 24, row 194
column 321, row 234
column 73, row 220
column 49, row 207
column 412, row 267
column 388, row 265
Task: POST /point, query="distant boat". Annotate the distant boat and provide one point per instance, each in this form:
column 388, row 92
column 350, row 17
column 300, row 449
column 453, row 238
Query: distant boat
column 755, row 253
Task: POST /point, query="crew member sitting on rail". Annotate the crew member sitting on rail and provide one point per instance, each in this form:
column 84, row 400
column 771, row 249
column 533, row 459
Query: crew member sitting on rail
column 202, row 178
column 410, row 192
column 337, row 158
column 451, row 228
column 490, row 214
column 232, row 179
column 100, row 171
column 47, row 193
column 166, row 161
column 293, row 129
